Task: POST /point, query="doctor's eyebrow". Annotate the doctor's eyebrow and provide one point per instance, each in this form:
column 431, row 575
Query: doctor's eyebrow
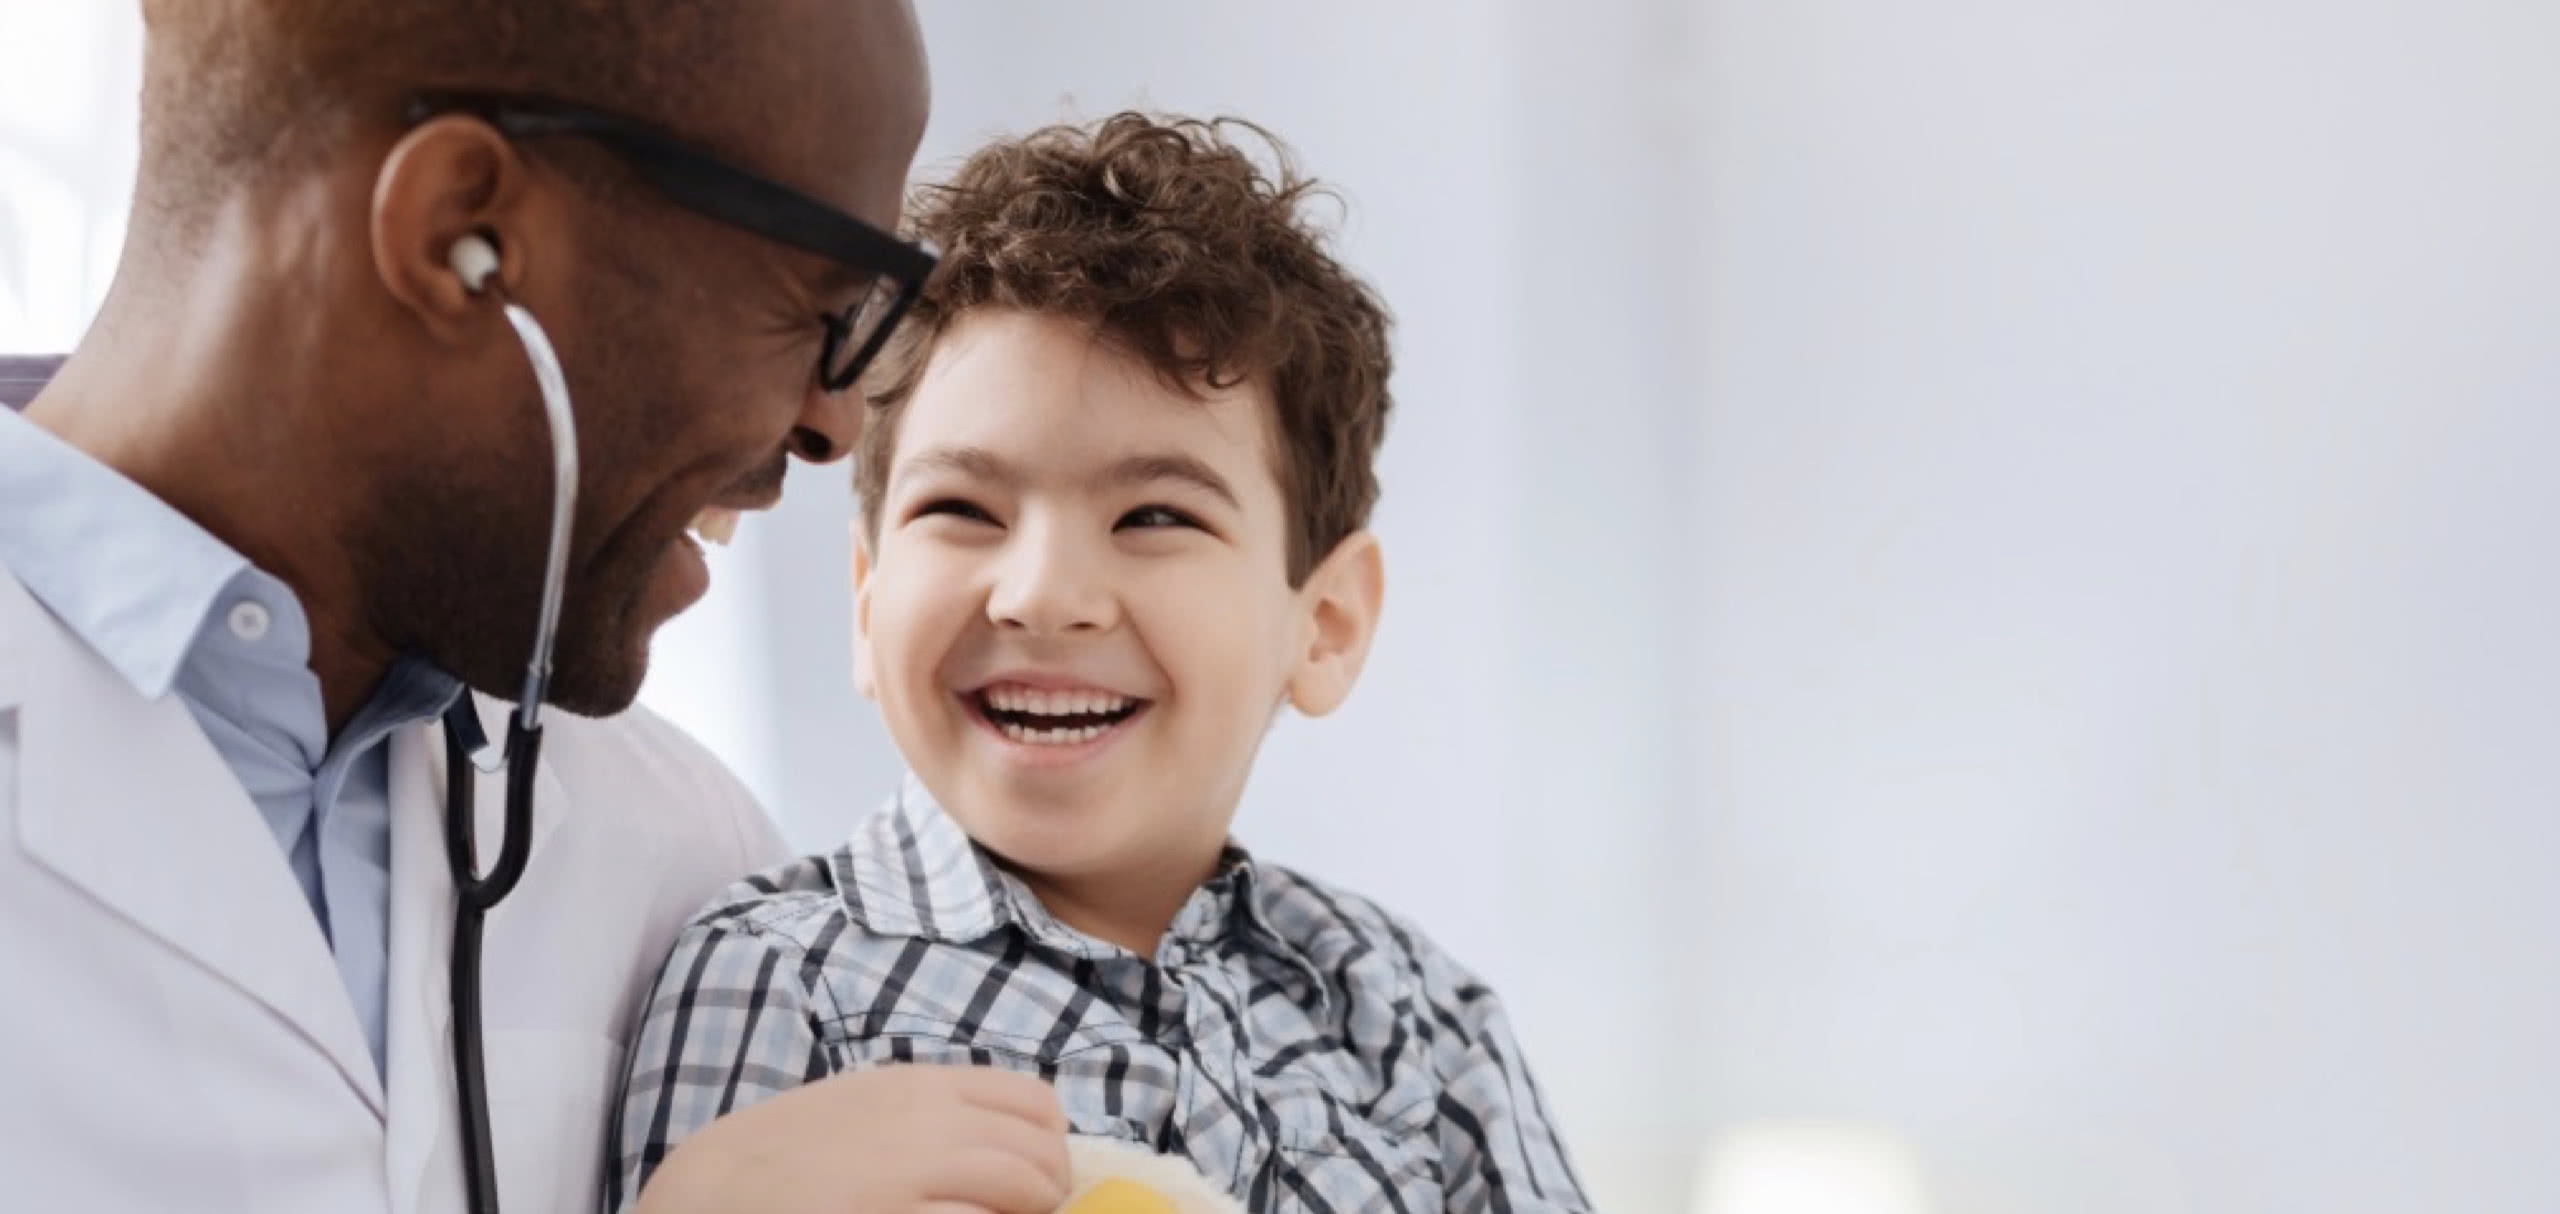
column 836, row 278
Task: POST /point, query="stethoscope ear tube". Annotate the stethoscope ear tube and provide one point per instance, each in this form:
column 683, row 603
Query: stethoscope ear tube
column 564, row 503
column 467, row 754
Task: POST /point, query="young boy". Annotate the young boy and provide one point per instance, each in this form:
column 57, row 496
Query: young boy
column 1113, row 499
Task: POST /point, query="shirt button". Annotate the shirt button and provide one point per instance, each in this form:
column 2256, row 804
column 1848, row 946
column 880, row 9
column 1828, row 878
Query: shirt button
column 249, row 620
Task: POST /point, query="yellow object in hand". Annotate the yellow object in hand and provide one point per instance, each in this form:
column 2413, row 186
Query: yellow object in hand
column 1118, row 1195
column 1108, row 1176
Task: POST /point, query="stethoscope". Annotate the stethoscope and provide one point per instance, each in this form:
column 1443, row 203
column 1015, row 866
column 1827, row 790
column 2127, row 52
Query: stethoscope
column 476, row 261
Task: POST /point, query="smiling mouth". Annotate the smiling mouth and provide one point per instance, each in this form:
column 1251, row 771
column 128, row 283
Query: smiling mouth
column 1053, row 718
column 716, row 524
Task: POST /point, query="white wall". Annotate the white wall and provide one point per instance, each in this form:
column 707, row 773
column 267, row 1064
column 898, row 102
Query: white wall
column 69, row 73
column 2129, row 640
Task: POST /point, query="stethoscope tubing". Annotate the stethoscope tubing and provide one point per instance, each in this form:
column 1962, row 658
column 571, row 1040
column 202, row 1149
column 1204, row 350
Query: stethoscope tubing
column 468, row 752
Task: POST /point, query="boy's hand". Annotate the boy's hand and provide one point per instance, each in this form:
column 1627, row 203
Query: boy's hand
column 899, row 1140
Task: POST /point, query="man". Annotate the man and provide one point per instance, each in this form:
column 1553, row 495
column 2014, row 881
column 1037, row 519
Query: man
column 288, row 501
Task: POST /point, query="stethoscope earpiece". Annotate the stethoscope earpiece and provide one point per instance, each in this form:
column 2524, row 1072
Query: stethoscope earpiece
column 475, row 260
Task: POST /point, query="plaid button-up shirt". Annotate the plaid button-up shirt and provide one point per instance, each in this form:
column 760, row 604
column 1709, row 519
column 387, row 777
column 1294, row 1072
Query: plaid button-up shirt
column 1299, row 1045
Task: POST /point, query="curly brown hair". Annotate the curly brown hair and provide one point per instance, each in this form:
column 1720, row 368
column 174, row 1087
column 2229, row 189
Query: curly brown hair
column 1177, row 245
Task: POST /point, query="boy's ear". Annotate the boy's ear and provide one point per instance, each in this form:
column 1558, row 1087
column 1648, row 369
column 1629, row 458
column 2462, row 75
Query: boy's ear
column 1342, row 598
column 862, row 677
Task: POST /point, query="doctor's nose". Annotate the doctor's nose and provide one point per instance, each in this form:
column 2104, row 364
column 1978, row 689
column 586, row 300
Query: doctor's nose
column 828, row 426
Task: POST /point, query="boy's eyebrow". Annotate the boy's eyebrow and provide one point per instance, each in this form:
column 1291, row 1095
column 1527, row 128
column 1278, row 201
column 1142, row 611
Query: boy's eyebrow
column 976, row 463
column 1171, row 466
column 980, row 464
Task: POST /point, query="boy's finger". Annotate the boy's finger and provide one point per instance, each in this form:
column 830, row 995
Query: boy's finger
column 1000, row 1180
column 1014, row 1094
column 1043, row 1147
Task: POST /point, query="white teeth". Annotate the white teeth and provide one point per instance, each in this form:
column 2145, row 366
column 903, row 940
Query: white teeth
column 1051, row 736
column 716, row 524
column 1048, row 737
column 1029, row 702
column 1053, row 703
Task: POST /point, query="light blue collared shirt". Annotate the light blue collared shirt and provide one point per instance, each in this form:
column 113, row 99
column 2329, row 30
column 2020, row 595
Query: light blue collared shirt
column 174, row 609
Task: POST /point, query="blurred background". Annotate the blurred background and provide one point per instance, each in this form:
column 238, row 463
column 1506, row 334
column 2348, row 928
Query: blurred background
column 1972, row 584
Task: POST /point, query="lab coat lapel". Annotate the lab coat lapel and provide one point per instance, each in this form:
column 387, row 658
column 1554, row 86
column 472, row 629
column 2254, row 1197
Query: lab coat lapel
column 124, row 798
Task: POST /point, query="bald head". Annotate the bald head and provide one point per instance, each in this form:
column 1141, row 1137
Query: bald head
column 237, row 91
column 286, row 302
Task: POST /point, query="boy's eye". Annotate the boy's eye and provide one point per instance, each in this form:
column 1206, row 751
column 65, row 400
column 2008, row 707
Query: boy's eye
column 1159, row 516
column 957, row 507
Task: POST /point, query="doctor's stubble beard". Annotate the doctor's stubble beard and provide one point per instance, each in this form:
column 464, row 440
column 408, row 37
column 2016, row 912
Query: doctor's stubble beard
column 451, row 554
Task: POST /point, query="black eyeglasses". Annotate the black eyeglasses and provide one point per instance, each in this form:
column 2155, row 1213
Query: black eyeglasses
column 894, row 270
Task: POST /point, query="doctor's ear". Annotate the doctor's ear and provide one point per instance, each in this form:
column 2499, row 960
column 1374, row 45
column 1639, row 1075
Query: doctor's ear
column 452, row 207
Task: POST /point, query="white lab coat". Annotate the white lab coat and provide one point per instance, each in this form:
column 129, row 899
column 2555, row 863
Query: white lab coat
column 176, row 1035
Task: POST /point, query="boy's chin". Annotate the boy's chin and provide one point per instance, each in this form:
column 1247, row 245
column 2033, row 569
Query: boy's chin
column 1085, row 850
column 1046, row 847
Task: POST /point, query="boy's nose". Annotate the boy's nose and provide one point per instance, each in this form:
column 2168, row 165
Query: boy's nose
column 1044, row 589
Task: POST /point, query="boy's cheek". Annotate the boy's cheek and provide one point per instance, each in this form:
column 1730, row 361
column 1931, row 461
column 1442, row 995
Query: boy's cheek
column 924, row 589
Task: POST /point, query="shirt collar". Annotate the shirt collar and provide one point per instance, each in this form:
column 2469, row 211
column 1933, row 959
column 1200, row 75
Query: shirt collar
column 126, row 572
column 914, row 872
column 148, row 589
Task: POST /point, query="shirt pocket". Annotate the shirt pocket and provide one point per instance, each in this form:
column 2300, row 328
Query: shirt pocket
column 1351, row 1166
column 1352, row 1135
